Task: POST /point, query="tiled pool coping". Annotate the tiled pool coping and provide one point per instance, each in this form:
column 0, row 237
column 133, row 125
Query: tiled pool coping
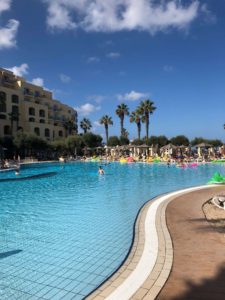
column 148, row 265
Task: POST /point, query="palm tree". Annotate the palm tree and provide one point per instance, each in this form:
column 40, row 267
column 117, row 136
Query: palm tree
column 122, row 111
column 135, row 117
column 85, row 124
column 146, row 108
column 106, row 121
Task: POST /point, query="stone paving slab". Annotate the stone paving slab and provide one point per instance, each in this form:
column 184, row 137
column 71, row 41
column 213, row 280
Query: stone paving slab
column 198, row 270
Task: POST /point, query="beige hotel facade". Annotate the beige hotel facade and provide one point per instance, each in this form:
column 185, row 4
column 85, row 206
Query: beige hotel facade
column 32, row 109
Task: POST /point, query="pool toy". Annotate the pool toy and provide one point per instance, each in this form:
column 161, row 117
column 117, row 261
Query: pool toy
column 123, row 160
column 192, row 165
column 217, row 179
column 156, row 160
column 130, row 159
column 150, row 160
column 219, row 161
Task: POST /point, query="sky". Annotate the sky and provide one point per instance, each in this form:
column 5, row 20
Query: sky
column 95, row 54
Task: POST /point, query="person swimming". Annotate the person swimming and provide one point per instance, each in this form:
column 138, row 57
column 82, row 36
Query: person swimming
column 101, row 171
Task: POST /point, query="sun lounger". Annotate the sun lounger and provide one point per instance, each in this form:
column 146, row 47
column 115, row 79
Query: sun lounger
column 219, row 201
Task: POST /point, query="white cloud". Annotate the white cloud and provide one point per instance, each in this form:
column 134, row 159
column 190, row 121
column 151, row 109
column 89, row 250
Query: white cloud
column 38, row 81
column 117, row 15
column 64, row 78
column 168, row 68
column 87, row 109
column 132, row 96
column 19, row 70
column 9, row 32
column 208, row 16
column 97, row 98
column 113, row 55
column 4, row 5
column 93, row 59
column 97, row 124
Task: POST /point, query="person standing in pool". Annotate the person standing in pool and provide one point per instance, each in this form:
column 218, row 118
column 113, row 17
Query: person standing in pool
column 101, row 171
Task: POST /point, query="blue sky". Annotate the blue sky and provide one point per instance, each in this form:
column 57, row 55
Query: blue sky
column 94, row 55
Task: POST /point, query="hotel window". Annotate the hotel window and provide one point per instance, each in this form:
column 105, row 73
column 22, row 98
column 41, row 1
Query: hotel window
column 41, row 113
column 31, row 119
column 15, row 109
column 60, row 133
column 6, row 130
column 37, row 131
column 31, row 111
column 2, row 102
column 47, row 132
column 42, row 121
column 15, row 99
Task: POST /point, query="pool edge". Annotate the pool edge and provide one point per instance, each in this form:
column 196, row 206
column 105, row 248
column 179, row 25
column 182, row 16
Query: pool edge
column 162, row 254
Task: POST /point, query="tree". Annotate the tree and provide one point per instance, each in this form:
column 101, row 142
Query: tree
column 74, row 143
column 92, row 140
column 14, row 116
column 69, row 126
column 125, row 133
column 85, row 124
column 106, row 121
column 122, row 111
column 146, row 108
column 198, row 140
column 113, row 141
column 124, row 140
column 215, row 143
column 135, row 117
column 161, row 140
column 137, row 142
column 180, row 140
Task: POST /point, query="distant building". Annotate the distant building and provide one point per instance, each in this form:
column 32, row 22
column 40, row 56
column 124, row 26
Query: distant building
column 30, row 108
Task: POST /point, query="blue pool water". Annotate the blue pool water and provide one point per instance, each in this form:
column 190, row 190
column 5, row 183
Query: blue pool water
column 62, row 236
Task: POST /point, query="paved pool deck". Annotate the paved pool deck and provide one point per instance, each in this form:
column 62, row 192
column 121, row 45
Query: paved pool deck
column 187, row 253
column 198, row 270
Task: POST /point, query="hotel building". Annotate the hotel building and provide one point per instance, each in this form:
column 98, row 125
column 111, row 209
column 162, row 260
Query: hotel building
column 31, row 109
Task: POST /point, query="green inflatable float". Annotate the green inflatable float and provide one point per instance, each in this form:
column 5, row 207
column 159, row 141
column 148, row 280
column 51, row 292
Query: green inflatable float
column 217, row 178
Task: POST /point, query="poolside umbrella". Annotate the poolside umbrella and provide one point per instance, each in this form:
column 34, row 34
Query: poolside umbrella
column 203, row 145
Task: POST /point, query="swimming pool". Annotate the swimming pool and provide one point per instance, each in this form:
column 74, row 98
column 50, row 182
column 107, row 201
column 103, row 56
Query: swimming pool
column 61, row 236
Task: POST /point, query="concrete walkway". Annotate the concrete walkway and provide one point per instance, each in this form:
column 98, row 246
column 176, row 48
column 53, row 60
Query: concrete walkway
column 198, row 270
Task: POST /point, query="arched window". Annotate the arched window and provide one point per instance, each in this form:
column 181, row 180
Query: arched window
column 37, row 131
column 42, row 121
column 60, row 133
column 2, row 102
column 31, row 119
column 6, row 129
column 15, row 99
column 31, row 111
column 47, row 132
column 41, row 113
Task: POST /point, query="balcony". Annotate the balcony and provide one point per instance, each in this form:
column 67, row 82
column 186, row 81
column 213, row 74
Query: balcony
column 10, row 83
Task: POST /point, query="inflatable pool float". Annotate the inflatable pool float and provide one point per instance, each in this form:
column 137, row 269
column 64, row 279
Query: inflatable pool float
column 123, row 160
column 219, row 161
column 150, row 160
column 130, row 159
column 192, row 165
column 156, row 160
column 217, row 179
